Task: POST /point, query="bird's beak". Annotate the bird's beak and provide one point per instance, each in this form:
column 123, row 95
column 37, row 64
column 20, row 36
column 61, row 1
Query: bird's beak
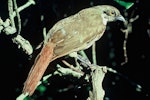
column 121, row 18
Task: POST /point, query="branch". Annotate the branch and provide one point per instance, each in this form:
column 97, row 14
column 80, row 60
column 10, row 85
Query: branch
column 29, row 3
column 18, row 16
column 10, row 9
column 94, row 53
column 23, row 43
column 97, row 73
column 8, row 27
column 128, row 30
column 60, row 71
column 97, row 92
column 72, row 67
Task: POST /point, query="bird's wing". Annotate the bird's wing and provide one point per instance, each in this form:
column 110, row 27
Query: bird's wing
column 77, row 32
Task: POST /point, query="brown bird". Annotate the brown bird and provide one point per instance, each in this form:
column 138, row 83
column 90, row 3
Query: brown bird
column 71, row 34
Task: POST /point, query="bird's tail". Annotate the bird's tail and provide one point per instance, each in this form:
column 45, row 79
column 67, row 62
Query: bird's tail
column 40, row 65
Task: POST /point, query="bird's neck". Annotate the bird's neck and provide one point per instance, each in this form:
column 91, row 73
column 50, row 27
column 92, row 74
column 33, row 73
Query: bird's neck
column 105, row 20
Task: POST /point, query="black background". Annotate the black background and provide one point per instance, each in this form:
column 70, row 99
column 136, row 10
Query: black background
column 15, row 64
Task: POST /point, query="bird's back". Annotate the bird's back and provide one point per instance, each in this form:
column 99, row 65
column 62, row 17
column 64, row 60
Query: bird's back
column 76, row 32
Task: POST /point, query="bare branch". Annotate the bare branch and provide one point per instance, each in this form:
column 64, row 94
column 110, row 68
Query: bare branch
column 8, row 27
column 127, row 31
column 94, row 53
column 23, row 43
column 72, row 67
column 29, row 3
column 97, row 92
column 10, row 9
column 125, row 48
column 18, row 16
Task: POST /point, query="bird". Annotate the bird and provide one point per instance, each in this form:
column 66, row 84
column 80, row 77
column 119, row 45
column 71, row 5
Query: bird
column 71, row 34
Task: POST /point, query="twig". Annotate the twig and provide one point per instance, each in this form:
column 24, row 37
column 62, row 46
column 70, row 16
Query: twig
column 125, row 48
column 29, row 3
column 6, row 28
column 23, row 43
column 68, row 71
column 127, row 31
column 94, row 53
column 72, row 67
column 18, row 16
column 10, row 9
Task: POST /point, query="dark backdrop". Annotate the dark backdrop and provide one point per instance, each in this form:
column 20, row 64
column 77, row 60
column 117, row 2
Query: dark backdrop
column 15, row 64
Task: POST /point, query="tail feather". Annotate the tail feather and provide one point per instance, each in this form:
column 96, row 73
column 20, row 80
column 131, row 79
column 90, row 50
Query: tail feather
column 40, row 65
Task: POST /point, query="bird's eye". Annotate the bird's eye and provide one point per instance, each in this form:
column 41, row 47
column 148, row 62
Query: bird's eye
column 113, row 13
column 109, row 13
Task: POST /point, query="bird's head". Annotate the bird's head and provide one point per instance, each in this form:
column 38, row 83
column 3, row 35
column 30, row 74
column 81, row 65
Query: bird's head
column 110, row 14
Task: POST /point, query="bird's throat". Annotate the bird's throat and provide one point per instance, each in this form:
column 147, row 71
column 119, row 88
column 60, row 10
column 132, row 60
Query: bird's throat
column 105, row 20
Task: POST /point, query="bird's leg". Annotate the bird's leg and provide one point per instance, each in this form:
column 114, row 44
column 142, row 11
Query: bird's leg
column 84, row 61
column 75, row 56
